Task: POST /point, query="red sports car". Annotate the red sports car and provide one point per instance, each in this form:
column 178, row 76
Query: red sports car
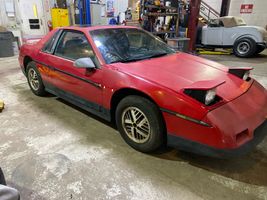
column 155, row 95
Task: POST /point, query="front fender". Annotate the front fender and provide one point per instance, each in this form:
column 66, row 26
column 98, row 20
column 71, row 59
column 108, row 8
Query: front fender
column 165, row 98
column 256, row 38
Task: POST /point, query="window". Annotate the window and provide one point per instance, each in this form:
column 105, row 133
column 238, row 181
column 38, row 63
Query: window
column 127, row 45
column 48, row 47
column 216, row 23
column 73, row 45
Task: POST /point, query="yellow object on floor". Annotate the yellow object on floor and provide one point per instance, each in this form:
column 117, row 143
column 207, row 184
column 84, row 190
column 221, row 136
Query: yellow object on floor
column 2, row 105
column 215, row 52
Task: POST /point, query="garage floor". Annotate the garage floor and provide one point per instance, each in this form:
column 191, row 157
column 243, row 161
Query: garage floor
column 51, row 150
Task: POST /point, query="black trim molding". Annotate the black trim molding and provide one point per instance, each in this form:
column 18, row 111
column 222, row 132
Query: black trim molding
column 185, row 117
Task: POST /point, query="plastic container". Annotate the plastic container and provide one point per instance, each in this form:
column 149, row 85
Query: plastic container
column 6, row 44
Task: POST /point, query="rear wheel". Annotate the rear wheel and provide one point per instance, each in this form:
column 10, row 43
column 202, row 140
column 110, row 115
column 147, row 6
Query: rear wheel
column 245, row 47
column 140, row 123
column 34, row 80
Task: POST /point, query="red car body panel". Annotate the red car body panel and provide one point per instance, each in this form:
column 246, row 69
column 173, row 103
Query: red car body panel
column 232, row 121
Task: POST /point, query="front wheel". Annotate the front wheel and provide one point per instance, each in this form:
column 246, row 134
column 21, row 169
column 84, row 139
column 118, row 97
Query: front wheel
column 140, row 123
column 245, row 47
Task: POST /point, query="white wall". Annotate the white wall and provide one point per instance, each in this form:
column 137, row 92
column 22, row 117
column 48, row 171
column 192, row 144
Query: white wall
column 215, row 4
column 259, row 15
column 8, row 21
column 120, row 6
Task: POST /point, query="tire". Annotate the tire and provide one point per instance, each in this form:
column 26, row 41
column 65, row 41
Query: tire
column 245, row 47
column 149, row 122
column 2, row 177
column 34, row 80
column 260, row 49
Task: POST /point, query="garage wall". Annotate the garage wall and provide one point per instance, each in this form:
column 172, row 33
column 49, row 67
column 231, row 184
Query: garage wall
column 4, row 19
column 259, row 15
column 215, row 4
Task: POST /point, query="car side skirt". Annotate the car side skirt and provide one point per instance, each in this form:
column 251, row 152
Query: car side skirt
column 202, row 149
column 89, row 106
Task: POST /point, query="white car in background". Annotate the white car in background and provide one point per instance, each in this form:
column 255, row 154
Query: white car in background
column 232, row 32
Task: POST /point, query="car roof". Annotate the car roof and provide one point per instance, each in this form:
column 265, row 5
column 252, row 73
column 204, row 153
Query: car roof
column 232, row 21
column 91, row 28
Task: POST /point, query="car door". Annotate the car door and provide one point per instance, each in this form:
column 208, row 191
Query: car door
column 78, row 85
column 214, row 34
column 44, row 57
column 229, row 36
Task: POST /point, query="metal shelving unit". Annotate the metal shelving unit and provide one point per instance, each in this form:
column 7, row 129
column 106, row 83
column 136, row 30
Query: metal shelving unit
column 154, row 11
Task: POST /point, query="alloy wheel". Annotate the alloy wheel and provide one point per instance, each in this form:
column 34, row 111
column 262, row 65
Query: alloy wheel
column 33, row 79
column 136, row 125
column 243, row 47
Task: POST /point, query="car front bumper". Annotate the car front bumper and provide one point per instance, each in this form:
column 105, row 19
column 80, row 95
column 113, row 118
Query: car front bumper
column 236, row 127
column 202, row 149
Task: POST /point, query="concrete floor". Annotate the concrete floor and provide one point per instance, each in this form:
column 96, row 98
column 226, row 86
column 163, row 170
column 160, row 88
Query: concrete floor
column 51, row 150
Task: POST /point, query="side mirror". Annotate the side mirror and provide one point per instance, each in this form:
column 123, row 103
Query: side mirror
column 84, row 63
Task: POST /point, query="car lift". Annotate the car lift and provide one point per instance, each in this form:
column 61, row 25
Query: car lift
column 193, row 20
column 214, row 51
column 84, row 12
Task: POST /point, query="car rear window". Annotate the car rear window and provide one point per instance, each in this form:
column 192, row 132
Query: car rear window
column 48, row 47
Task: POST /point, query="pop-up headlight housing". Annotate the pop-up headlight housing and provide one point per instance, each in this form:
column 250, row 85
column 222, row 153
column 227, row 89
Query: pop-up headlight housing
column 243, row 73
column 204, row 91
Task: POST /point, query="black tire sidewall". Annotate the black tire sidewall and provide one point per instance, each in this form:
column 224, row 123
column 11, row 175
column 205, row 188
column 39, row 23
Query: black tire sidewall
column 41, row 90
column 154, row 117
column 253, row 48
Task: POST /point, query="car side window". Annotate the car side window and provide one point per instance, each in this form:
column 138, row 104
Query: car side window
column 73, row 45
column 221, row 24
column 216, row 23
column 48, row 47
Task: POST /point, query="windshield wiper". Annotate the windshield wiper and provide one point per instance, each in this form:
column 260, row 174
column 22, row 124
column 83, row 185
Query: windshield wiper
column 143, row 58
column 132, row 59
column 158, row 55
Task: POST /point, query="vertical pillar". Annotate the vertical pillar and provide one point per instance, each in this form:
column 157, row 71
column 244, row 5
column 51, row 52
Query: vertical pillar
column 80, row 5
column 88, row 12
column 193, row 23
column 225, row 7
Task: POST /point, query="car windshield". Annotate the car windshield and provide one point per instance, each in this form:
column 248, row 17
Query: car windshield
column 128, row 45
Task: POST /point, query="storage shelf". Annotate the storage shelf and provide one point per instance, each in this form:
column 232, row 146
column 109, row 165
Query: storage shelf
column 162, row 32
column 161, row 7
column 151, row 12
column 160, row 14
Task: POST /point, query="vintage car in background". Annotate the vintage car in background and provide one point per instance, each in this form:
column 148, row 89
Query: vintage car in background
column 156, row 96
column 232, row 32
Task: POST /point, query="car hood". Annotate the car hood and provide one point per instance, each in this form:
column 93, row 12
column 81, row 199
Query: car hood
column 181, row 70
column 259, row 28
